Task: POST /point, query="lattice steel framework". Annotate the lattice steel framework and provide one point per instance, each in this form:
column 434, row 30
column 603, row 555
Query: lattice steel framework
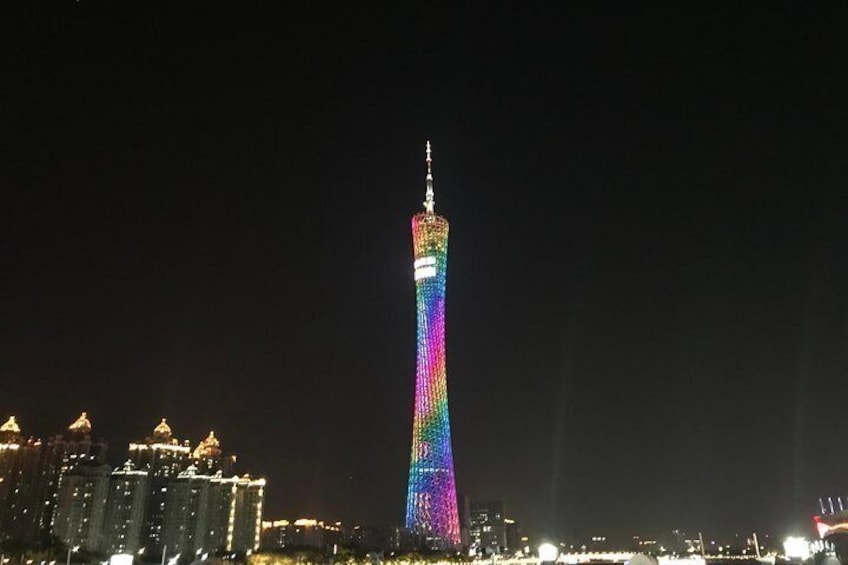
column 431, row 507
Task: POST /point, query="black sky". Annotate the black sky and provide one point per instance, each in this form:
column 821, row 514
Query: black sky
column 206, row 217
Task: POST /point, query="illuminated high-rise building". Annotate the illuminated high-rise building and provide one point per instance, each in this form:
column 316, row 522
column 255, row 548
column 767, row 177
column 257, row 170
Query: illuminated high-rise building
column 431, row 507
column 19, row 502
column 80, row 506
column 245, row 528
column 63, row 453
column 185, row 512
column 164, row 458
column 220, row 512
column 209, row 458
column 161, row 454
column 125, row 506
column 212, row 513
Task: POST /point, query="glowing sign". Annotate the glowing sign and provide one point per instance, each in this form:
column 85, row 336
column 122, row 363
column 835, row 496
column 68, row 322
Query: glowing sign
column 425, row 268
column 425, row 273
column 121, row 559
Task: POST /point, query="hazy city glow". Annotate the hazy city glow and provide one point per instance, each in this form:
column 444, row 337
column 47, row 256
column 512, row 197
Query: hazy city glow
column 796, row 548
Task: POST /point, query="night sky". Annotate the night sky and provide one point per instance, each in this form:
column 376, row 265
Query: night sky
column 206, row 216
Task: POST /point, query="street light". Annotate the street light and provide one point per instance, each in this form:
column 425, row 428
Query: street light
column 72, row 550
column 796, row 548
column 548, row 553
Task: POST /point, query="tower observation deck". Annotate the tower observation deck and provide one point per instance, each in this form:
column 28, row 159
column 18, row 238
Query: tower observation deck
column 431, row 506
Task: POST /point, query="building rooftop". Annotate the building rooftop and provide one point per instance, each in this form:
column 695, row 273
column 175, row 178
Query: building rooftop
column 81, row 425
column 163, row 430
column 11, row 426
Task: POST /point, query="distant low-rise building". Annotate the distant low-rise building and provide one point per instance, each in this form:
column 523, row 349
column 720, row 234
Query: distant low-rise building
column 407, row 539
column 303, row 532
column 487, row 530
column 463, row 505
column 513, row 536
column 367, row 538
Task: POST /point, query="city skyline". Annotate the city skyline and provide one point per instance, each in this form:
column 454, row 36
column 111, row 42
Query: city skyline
column 208, row 449
column 207, row 220
column 63, row 493
column 207, row 446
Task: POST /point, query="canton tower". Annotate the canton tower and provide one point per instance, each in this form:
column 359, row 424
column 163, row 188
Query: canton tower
column 431, row 508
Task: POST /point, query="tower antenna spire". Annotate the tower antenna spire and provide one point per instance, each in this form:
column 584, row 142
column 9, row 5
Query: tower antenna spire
column 430, row 202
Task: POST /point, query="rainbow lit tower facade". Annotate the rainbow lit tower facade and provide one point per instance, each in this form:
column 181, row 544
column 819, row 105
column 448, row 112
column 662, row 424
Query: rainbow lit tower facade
column 431, row 507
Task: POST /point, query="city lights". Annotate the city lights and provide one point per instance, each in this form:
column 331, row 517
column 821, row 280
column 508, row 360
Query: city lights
column 548, row 552
column 147, row 503
column 796, row 548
